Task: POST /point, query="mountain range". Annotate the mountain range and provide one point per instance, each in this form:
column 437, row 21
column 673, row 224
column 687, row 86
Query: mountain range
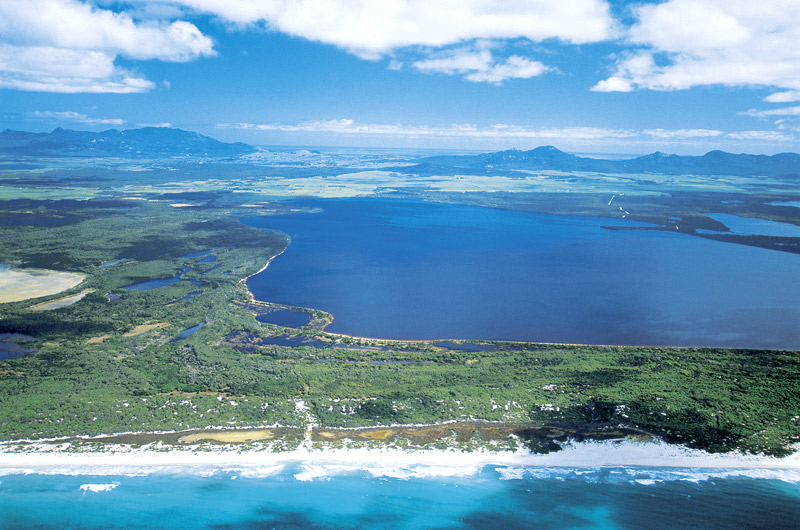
column 131, row 143
column 162, row 141
column 549, row 158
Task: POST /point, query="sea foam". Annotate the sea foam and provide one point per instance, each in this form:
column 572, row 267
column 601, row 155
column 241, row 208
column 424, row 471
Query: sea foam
column 594, row 461
column 98, row 488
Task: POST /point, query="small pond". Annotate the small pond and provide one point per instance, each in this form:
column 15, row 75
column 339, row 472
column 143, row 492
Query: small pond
column 110, row 263
column 293, row 341
column 466, row 346
column 12, row 345
column 160, row 282
column 286, row 318
column 189, row 296
column 186, row 333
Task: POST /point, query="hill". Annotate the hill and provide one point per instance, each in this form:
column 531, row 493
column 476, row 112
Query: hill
column 549, row 158
column 144, row 142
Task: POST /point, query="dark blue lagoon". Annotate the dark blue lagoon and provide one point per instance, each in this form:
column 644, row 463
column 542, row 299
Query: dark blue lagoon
column 413, row 270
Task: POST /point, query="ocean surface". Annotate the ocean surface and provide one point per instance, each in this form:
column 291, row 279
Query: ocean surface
column 412, row 270
column 297, row 496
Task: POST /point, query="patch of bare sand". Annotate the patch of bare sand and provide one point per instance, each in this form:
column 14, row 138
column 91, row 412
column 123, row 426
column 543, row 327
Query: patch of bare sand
column 99, row 339
column 229, row 437
column 61, row 302
column 23, row 284
column 380, row 434
column 144, row 328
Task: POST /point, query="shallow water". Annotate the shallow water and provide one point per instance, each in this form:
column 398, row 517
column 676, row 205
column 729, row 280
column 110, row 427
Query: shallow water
column 12, row 345
column 748, row 226
column 796, row 204
column 188, row 332
column 305, row 496
column 411, row 270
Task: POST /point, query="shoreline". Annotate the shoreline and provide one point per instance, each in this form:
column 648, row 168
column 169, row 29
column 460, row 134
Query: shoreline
column 320, row 456
column 685, row 464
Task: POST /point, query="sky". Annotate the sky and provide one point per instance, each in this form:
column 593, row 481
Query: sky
column 588, row 76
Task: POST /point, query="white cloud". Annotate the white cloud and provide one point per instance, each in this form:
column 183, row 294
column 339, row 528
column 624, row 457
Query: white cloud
column 687, row 43
column 70, row 46
column 72, row 25
column 371, row 28
column 481, row 66
column 783, row 97
column 47, row 69
column 516, row 132
column 613, row 84
column 348, row 126
column 459, row 62
column 765, row 136
column 74, row 117
column 785, row 111
column 682, row 133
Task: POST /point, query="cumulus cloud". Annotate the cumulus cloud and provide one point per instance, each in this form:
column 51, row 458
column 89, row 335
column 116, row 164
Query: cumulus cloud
column 687, row 43
column 74, row 117
column 72, row 25
column 783, row 97
column 48, row 69
column 71, row 46
column 371, row 29
column 481, row 66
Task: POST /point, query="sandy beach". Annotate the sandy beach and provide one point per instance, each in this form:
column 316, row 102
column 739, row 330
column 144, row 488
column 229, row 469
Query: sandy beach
column 257, row 460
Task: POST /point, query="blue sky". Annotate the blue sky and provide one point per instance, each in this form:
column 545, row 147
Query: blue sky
column 680, row 76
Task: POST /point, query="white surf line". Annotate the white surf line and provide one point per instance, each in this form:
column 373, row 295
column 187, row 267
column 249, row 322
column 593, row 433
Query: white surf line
column 98, row 488
column 203, row 459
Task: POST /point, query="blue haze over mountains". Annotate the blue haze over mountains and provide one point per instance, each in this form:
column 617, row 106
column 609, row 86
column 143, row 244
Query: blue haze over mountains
column 147, row 141
column 161, row 141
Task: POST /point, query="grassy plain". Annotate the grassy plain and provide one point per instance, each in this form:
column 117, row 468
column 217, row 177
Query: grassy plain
column 111, row 361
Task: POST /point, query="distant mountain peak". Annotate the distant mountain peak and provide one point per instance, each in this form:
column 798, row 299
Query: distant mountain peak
column 143, row 142
column 548, row 157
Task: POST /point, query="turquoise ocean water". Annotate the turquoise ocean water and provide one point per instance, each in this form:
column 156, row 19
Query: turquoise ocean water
column 493, row 497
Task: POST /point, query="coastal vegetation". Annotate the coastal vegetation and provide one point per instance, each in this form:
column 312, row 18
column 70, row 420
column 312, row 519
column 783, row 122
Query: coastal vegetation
column 158, row 331
column 114, row 360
